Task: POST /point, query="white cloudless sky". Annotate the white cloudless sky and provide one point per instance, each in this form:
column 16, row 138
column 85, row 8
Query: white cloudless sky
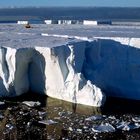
column 38, row 3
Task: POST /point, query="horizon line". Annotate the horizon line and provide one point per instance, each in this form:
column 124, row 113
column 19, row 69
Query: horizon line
column 14, row 7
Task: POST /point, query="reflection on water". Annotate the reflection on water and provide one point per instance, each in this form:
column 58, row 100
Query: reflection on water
column 72, row 107
column 56, row 119
column 69, row 116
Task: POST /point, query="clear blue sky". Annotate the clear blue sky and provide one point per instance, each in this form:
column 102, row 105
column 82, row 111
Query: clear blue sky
column 23, row 3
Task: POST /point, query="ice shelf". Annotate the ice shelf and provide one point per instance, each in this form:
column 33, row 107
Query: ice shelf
column 73, row 68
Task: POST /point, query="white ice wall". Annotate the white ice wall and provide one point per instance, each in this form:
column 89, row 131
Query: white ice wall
column 55, row 71
column 71, row 71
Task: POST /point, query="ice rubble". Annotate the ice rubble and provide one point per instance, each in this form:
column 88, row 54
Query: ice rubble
column 31, row 103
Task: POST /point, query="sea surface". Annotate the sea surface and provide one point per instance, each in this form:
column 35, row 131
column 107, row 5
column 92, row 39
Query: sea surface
column 38, row 15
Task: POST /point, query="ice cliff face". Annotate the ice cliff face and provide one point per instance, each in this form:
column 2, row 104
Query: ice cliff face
column 55, row 71
column 113, row 65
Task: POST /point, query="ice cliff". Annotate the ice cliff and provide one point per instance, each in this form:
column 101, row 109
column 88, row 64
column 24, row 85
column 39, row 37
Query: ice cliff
column 55, row 71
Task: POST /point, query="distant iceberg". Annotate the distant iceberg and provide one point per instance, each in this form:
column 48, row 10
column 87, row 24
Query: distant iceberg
column 83, row 22
column 22, row 22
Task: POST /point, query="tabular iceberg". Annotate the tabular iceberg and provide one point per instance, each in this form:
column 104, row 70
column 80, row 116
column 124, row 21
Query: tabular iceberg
column 55, row 71
column 79, row 69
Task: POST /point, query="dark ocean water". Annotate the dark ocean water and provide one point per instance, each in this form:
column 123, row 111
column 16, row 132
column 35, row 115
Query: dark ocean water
column 75, row 13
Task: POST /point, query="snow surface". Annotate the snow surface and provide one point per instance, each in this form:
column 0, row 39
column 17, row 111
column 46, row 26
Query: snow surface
column 72, row 63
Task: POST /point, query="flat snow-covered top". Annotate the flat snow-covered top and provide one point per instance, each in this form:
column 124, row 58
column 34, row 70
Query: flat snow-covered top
column 42, row 35
column 17, row 36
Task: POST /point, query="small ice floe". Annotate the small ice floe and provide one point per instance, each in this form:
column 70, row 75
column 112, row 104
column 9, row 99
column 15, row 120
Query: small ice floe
column 69, row 113
column 2, row 103
column 127, row 126
column 57, row 118
column 9, row 126
column 123, row 126
column 79, row 130
column 42, row 114
column 112, row 117
column 64, row 113
column 95, row 118
column 61, row 114
column 32, row 103
column 21, row 112
column 29, row 124
column 47, row 122
column 136, row 119
column 85, row 127
column 70, row 129
column 103, row 128
column 1, row 116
